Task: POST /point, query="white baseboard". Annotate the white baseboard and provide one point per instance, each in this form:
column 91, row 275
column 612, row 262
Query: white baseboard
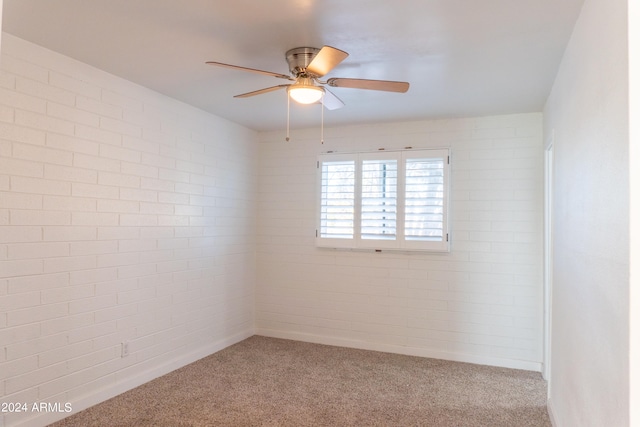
column 406, row 350
column 551, row 412
column 145, row 376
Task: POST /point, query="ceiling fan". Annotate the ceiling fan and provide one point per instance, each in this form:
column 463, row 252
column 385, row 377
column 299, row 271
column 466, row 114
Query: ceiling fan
column 307, row 65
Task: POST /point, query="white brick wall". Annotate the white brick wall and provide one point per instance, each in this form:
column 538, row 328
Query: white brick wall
column 479, row 303
column 124, row 216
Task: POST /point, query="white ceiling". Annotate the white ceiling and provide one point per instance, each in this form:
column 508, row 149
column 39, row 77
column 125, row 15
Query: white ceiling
column 462, row 57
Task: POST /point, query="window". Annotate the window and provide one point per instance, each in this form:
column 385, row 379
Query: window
column 384, row 200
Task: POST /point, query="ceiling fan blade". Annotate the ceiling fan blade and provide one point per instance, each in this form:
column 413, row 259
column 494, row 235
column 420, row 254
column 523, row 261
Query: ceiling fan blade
column 251, row 70
column 386, row 85
column 260, row 91
column 331, row 101
column 326, row 60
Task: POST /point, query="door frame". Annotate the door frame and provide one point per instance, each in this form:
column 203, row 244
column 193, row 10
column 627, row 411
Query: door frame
column 548, row 259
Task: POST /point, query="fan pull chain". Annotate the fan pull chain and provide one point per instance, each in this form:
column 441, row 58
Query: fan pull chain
column 288, row 109
column 322, row 121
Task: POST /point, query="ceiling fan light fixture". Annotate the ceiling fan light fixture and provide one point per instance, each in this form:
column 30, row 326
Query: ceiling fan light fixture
column 305, row 93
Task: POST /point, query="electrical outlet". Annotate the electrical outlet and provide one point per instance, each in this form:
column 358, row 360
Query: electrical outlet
column 124, row 349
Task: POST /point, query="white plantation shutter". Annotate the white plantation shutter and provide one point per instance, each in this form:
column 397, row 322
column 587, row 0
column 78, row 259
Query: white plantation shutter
column 425, row 202
column 337, row 199
column 379, row 199
column 384, row 200
column 424, row 199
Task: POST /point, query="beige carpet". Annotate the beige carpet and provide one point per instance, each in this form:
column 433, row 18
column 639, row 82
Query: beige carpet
column 273, row 382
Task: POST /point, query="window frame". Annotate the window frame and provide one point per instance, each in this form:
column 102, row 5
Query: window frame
column 400, row 243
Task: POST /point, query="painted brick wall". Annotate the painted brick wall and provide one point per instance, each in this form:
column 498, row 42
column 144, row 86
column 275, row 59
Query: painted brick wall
column 480, row 303
column 124, row 216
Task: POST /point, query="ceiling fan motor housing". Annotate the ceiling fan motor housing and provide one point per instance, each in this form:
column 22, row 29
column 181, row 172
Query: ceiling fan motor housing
column 299, row 59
